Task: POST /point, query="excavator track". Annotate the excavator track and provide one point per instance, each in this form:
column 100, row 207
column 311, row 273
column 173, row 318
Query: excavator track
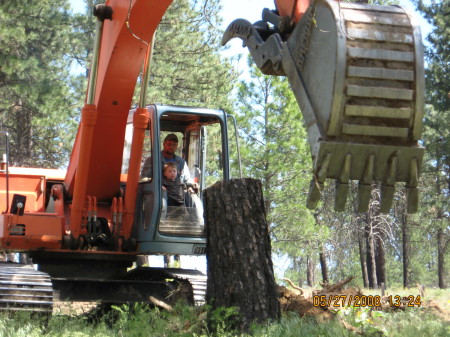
column 143, row 284
column 196, row 278
column 22, row 288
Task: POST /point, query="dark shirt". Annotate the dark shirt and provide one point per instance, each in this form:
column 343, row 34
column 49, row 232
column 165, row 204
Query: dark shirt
column 175, row 193
column 182, row 168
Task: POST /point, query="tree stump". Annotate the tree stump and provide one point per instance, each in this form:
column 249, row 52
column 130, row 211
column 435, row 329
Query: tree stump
column 238, row 250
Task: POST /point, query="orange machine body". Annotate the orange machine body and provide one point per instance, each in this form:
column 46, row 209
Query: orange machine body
column 292, row 8
column 97, row 153
column 34, row 229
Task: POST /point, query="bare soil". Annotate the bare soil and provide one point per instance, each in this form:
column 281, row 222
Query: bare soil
column 302, row 301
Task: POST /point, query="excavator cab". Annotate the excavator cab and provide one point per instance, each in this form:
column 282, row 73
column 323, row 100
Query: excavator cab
column 202, row 143
column 357, row 73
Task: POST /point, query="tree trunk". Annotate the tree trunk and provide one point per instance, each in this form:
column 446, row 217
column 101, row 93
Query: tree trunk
column 166, row 261
column 441, row 253
column 323, row 265
column 238, row 250
column 310, row 277
column 297, row 267
column 22, row 151
column 362, row 259
column 441, row 239
column 371, row 264
column 24, row 258
column 142, row 260
column 380, row 258
column 177, row 261
column 406, row 245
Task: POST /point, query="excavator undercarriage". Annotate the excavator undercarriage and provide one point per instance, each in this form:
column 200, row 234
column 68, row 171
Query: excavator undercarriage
column 23, row 288
column 358, row 77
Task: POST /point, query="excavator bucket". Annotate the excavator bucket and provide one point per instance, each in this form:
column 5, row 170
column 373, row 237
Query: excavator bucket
column 358, row 77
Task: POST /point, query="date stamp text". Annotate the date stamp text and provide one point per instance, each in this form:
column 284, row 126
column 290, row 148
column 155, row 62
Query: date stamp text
column 340, row 301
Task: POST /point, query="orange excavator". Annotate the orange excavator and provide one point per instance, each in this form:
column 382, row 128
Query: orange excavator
column 356, row 71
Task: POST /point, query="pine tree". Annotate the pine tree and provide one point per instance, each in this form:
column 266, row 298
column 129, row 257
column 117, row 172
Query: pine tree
column 35, row 96
column 187, row 68
column 40, row 95
column 275, row 151
column 436, row 173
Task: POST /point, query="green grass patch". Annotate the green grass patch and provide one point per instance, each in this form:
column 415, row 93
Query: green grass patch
column 408, row 322
column 140, row 320
column 292, row 325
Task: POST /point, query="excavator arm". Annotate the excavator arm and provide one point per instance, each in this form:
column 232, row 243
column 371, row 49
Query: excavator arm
column 123, row 46
column 124, row 38
column 357, row 73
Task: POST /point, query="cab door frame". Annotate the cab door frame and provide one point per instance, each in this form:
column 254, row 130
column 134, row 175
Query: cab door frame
column 150, row 240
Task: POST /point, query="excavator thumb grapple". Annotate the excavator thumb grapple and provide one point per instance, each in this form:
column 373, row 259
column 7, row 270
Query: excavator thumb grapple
column 358, row 77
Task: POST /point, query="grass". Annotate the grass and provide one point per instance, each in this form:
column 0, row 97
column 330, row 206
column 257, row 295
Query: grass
column 410, row 322
column 139, row 320
column 293, row 325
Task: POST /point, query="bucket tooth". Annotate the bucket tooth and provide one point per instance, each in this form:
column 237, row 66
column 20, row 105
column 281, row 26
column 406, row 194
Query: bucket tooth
column 341, row 196
column 342, row 185
column 412, row 199
column 357, row 73
column 364, row 194
column 365, row 186
column 388, row 187
column 315, row 189
column 387, row 195
column 412, row 193
column 316, row 184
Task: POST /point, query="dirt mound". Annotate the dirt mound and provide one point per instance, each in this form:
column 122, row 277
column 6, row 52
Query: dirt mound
column 317, row 303
column 323, row 303
column 291, row 301
column 437, row 310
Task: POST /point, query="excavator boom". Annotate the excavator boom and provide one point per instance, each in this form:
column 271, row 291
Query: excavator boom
column 122, row 51
column 357, row 74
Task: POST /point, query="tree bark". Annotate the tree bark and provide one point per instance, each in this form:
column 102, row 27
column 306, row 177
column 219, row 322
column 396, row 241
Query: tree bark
column 238, row 250
column 310, row 277
column 297, row 263
column 380, row 258
column 323, row 265
column 371, row 264
column 441, row 239
column 441, row 253
column 166, row 261
column 142, row 260
column 362, row 259
column 24, row 258
column 405, row 248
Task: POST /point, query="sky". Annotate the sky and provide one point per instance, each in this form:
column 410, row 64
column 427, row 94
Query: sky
column 250, row 10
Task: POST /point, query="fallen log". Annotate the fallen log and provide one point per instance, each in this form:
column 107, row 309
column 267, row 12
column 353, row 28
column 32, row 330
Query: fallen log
column 294, row 286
